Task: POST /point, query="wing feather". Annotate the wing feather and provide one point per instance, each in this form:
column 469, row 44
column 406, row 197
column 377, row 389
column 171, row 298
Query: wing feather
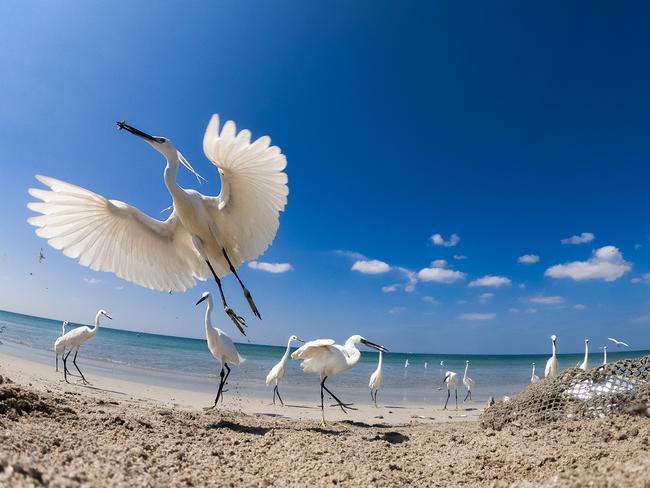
column 109, row 235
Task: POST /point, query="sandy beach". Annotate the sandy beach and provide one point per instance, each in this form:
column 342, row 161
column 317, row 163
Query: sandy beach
column 118, row 433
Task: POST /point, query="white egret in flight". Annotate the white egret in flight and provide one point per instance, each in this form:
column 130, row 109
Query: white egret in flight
column 451, row 380
column 533, row 377
column 75, row 338
column 277, row 372
column 585, row 362
column 618, row 343
column 221, row 347
column 59, row 345
column 468, row 382
column 325, row 358
column 552, row 365
column 376, row 379
column 203, row 234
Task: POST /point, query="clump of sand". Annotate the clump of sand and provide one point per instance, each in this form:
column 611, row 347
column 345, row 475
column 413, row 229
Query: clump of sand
column 71, row 436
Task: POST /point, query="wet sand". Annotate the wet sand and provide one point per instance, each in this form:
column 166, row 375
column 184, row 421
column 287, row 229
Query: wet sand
column 129, row 434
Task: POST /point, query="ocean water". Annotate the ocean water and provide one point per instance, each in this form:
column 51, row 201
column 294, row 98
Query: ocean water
column 188, row 365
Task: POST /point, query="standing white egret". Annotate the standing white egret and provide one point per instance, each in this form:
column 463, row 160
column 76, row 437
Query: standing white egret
column 325, row 358
column 451, row 380
column 221, row 347
column 203, row 234
column 468, row 382
column 617, row 342
column 585, row 362
column 552, row 365
column 277, row 372
column 604, row 355
column 75, row 338
column 533, row 377
column 376, row 378
column 59, row 345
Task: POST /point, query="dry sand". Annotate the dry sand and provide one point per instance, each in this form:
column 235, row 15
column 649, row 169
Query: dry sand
column 56, row 434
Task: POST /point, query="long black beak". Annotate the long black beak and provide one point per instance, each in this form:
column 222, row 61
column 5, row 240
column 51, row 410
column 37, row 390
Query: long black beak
column 123, row 125
column 374, row 346
column 301, row 341
column 203, row 298
column 445, row 378
column 108, row 316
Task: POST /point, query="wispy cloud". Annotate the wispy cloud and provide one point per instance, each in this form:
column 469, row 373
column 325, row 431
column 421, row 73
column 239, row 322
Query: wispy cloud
column 528, row 259
column 477, row 316
column 579, row 306
column 350, row 254
column 644, row 278
column 460, row 256
column 370, row 266
column 396, row 310
column 544, row 300
column 92, row 281
column 490, row 280
column 583, row 238
column 485, row 297
column 431, row 300
column 389, row 288
column 437, row 273
column 606, row 264
column 270, row 267
column 438, row 240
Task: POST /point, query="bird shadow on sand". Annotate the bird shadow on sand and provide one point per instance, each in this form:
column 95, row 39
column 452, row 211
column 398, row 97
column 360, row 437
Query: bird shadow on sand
column 245, row 429
column 96, row 388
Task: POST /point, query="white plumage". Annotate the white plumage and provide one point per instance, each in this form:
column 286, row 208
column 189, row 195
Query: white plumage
column 376, row 379
column 238, row 224
column 59, row 345
column 617, row 342
column 552, row 365
column 585, row 362
column 533, row 377
column 277, row 372
column 325, row 358
column 468, row 382
column 220, row 345
column 451, row 381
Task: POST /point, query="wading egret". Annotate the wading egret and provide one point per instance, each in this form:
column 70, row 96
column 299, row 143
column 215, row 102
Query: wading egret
column 221, row 347
column 277, row 372
column 533, row 377
column 203, row 234
column 617, row 342
column 451, row 380
column 468, row 382
column 585, row 362
column 375, row 380
column 552, row 365
column 75, row 338
column 325, row 358
column 59, row 345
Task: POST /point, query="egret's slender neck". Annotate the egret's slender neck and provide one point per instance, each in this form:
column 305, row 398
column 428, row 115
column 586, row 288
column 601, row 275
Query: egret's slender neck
column 353, row 353
column 586, row 351
column 533, row 375
column 466, row 368
column 63, row 328
column 94, row 331
column 380, row 360
column 605, row 355
column 285, row 358
column 171, row 173
column 553, row 348
column 208, row 313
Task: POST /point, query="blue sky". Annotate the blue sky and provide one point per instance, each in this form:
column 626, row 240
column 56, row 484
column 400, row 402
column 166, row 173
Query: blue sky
column 512, row 126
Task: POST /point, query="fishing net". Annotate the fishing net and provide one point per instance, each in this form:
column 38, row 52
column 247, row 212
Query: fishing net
column 618, row 388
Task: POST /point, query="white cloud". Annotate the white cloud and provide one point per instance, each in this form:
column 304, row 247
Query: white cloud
column 490, row 280
column 581, row 239
column 439, row 263
column 460, row 256
column 350, row 254
column 438, row 240
column 477, row 316
column 370, row 266
column 606, row 264
column 389, row 288
column 528, row 259
column 270, row 267
column 92, row 281
column 513, row 310
column 396, row 310
column 485, row 297
column 579, row 306
column 440, row 275
column 644, row 278
column 430, row 300
column 412, row 278
column 530, row 310
column 545, row 300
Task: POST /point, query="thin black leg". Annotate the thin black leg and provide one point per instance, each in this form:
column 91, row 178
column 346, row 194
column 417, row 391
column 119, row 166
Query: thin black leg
column 277, row 390
column 466, row 396
column 238, row 321
column 56, row 361
column 225, row 380
column 274, row 390
column 322, row 408
column 448, row 394
column 456, row 391
column 65, row 366
column 470, row 395
column 247, row 293
column 221, row 375
column 341, row 404
column 74, row 361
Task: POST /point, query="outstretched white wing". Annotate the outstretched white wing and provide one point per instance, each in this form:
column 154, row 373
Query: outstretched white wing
column 253, row 189
column 109, row 235
column 312, row 349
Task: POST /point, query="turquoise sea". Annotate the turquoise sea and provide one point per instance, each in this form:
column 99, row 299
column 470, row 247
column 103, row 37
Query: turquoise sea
column 188, row 365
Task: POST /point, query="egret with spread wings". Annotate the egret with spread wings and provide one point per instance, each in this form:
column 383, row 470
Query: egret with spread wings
column 204, row 235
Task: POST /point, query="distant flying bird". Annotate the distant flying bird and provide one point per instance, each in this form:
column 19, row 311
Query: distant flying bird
column 552, row 365
column 468, row 382
column 59, row 345
column 277, row 372
column 533, row 377
column 618, row 343
column 585, row 362
column 451, row 381
column 376, row 379
column 221, row 347
column 203, row 235
column 41, row 256
column 325, row 358
column 74, row 339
